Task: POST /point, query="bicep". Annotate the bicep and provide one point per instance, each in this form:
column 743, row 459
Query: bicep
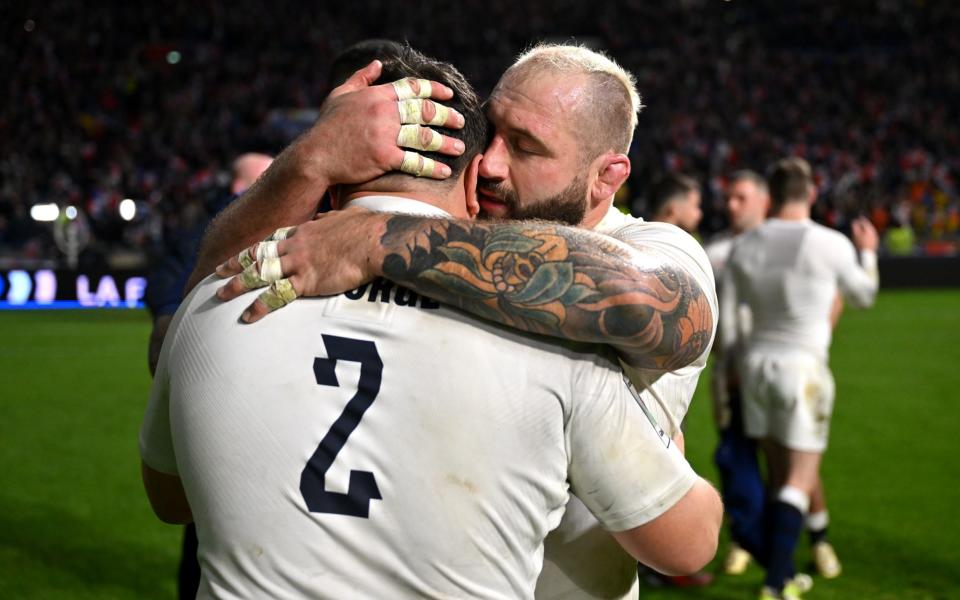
column 683, row 539
column 623, row 466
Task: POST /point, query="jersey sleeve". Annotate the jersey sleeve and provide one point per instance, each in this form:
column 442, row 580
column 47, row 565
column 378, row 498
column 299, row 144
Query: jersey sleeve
column 858, row 283
column 671, row 393
column 156, row 438
column 623, row 466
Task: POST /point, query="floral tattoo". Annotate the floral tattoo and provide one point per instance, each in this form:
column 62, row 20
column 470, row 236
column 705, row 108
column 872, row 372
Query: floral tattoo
column 554, row 280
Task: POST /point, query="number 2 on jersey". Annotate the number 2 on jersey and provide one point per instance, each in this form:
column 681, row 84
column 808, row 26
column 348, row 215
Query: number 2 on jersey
column 363, row 485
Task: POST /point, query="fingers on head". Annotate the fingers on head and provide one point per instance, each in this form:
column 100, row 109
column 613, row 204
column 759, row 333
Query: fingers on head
column 421, row 166
column 421, row 88
column 427, row 112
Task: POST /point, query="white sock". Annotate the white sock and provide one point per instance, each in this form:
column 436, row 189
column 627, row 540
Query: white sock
column 794, row 497
column 818, row 521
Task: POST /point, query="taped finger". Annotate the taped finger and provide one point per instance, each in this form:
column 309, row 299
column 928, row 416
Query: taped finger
column 267, row 249
column 279, row 294
column 281, row 234
column 417, row 165
column 250, row 278
column 245, row 259
column 412, row 88
column 270, row 269
column 419, row 138
column 413, row 111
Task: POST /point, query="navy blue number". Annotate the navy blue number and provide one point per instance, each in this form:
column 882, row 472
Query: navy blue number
column 363, row 485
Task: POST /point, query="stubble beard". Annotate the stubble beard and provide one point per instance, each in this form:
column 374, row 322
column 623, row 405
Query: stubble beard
column 568, row 206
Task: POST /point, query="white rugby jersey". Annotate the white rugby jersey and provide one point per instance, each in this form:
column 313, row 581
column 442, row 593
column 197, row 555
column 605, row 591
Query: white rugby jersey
column 581, row 560
column 670, row 391
column 379, row 445
column 789, row 272
column 718, row 251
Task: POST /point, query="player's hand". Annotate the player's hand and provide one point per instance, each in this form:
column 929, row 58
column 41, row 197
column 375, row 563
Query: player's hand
column 865, row 236
column 334, row 253
column 363, row 128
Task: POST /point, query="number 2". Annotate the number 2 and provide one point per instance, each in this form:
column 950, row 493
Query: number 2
column 363, row 485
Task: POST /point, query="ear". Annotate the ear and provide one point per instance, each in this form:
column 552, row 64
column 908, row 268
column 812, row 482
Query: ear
column 612, row 170
column 470, row 179
column 813, row 195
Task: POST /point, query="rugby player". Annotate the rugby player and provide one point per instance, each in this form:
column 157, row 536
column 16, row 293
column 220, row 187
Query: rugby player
column 788, row 271
column 747, row 202
column 675, row 199
column 464, row 480
column 563, row 118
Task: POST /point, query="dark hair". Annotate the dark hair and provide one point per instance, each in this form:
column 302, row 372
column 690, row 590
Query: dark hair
column 748, row 175
column 360, row 55
column 474, row 135
column 670, row 187
column 790, row 180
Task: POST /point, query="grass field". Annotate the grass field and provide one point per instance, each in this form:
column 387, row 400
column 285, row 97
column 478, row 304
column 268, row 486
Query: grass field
column 74, row 522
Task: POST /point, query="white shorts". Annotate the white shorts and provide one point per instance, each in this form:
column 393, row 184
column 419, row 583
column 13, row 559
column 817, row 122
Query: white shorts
column 788, row 398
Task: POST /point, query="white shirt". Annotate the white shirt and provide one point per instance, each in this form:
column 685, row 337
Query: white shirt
column 474, row 435
column 582, row 560
column 789, row 272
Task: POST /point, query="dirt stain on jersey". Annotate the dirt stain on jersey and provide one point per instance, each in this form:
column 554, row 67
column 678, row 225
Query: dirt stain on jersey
column 464, row 483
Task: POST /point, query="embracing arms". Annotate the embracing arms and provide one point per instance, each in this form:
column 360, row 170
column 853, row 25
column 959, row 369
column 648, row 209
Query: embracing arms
column 344, row 146
column 560, row 281
column 534, row 276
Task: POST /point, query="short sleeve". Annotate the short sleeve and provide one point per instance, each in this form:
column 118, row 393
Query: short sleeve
column 623, row 466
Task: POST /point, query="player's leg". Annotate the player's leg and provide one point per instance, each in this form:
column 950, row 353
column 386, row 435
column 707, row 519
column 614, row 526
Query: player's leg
column 800, row 391
column 823, row 556
column 741, row 485
column 797, row 474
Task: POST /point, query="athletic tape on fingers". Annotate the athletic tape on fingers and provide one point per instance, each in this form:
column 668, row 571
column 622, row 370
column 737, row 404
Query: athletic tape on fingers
column 280, row 234
column 409, row 137
column 417, row 165
column 267, row 249
column 411, row 111
column 244, row 258
column 250, row 278
column 280, row 293
column 404, row 90
column 270, row 269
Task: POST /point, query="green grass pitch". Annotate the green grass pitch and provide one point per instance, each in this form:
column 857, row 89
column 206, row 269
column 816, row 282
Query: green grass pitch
column 74, row 522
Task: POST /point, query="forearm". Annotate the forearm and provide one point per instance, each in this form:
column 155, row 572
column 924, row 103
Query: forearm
column 560, row 281
column 286, row 194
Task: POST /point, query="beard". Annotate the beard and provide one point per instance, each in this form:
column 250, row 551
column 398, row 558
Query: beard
column 568, row 206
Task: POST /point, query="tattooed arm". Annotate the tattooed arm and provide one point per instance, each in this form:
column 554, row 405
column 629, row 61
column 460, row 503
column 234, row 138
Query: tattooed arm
column 534, row 276
column 559, row 281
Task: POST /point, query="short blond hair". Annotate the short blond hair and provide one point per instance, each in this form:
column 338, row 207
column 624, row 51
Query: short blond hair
column 614, row 101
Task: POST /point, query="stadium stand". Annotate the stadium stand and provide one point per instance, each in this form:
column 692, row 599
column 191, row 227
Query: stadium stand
column 150, row 102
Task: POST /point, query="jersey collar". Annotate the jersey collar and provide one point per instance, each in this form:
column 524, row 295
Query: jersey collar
column 400, row 205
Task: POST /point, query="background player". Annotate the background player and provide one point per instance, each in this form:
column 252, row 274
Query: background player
column 788, row 271
column 747, row 201
column 675, row 199
column 224, row 433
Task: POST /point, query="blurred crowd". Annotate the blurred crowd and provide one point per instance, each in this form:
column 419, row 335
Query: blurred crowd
column 152, row 102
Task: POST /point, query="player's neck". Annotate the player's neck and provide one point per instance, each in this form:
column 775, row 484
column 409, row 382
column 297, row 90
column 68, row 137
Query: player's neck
column 455, row 209
column 794, row 211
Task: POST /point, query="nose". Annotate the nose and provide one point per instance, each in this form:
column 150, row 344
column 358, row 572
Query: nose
column 494, row 164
